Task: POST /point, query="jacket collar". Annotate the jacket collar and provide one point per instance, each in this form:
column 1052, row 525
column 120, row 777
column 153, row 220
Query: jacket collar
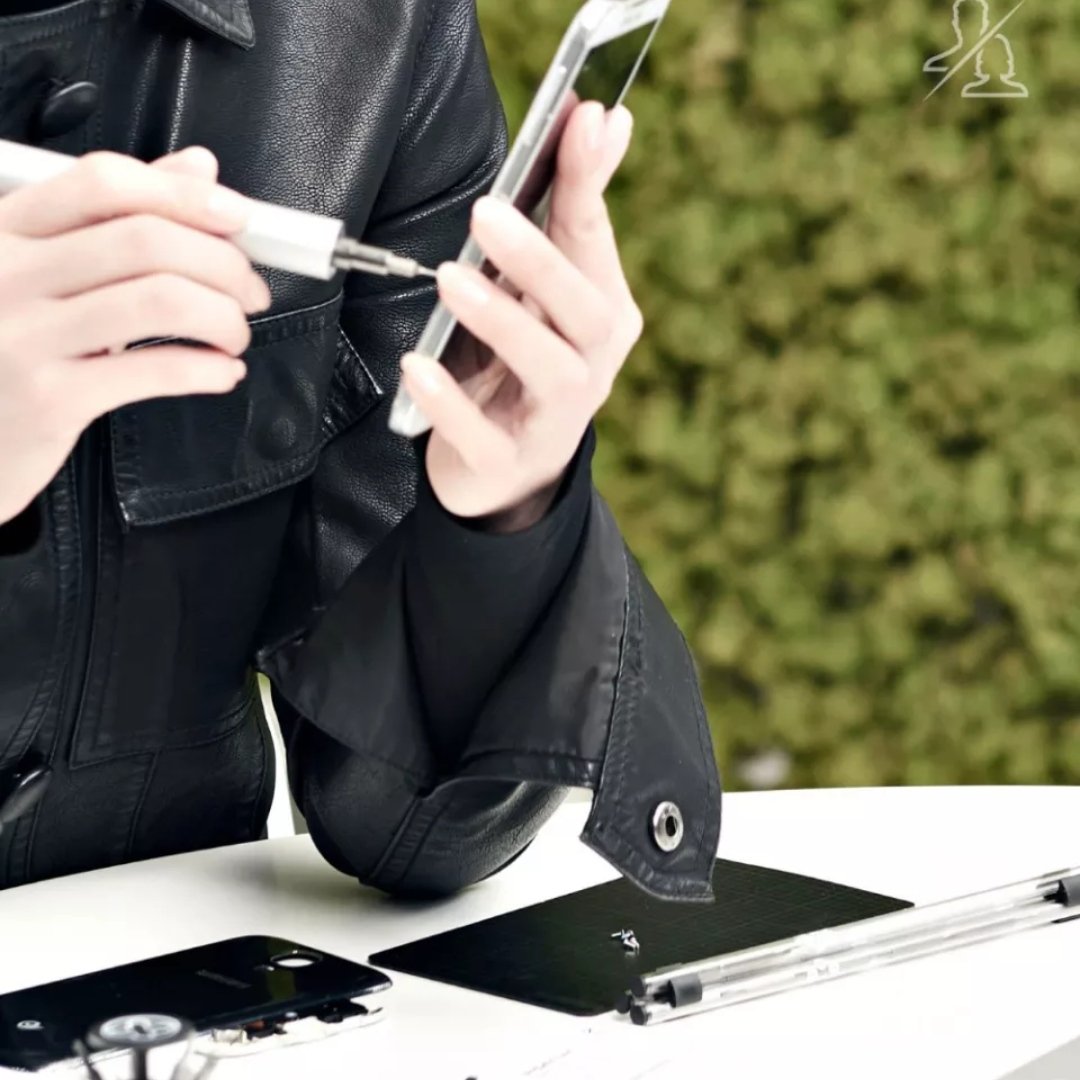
column 230, row 19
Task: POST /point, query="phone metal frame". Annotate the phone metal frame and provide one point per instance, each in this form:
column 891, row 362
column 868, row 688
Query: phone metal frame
column 597, row 23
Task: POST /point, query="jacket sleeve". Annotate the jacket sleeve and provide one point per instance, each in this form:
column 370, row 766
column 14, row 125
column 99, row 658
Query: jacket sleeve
column 597, row 691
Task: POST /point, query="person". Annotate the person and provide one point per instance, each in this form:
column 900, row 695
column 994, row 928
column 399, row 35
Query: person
column 1000, row 80
column 964, row 13
column 454, row 630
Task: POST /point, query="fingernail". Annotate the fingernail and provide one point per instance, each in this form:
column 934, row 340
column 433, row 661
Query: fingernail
column 230, row 208
column 258, row 294
column 202, row 158
column 620, row 124
column 421, row 370
column 239, row 370
column 459, row 282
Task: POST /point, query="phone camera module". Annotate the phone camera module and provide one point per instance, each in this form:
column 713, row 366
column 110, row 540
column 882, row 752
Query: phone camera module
column 298, row 958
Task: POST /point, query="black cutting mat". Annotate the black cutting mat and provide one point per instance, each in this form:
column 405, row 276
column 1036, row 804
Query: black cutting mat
column 560, row 954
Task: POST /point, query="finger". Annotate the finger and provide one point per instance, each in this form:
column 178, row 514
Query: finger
column 579, row 222
column 191, row 161
column 101, row 186
column 530, row 259
column 155, row 306
column 548, row 367
column 142, row 244
column 483, row 445
column 111, row 382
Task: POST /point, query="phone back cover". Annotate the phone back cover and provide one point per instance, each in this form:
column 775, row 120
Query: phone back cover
column 561, row 954
column 213, row 986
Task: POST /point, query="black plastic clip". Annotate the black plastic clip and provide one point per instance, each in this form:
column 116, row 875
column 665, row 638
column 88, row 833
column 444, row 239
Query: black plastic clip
column 1068, row 891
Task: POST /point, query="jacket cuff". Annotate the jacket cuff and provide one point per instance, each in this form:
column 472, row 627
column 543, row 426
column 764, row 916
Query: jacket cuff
column 602, row 695
column 605, row 696
column 437, row 528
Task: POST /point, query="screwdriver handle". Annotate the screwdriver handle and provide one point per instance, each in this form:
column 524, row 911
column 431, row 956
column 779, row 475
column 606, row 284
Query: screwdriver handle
column 275, row 236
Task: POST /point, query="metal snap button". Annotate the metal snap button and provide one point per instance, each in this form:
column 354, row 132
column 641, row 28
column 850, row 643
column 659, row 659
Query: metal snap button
column 667, row 826
column 66, row 108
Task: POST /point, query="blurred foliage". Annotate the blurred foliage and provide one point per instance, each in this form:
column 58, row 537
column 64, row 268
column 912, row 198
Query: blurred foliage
column 848, row 451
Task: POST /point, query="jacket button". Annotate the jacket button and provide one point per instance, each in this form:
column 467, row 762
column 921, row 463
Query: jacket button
column 66, row 108
column 667, row 826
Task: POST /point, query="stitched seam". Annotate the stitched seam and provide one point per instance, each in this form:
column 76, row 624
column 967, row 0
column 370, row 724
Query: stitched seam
column 214, row 20
column 292, row 326
column 402, row 831
column 30, row 835
column 360, row 360
column 338, row 416
column 311, row 309
column 619, row 669
column 422, row 838
column 706, row 753
column 623, row 852
column 553, row 755
column 625, row 715
column 96, row 75
column 228, row 725
column 422, row 46
column 274, row 472
column 63, row 27
column 271, row 329
column 82, row 719
column 143, row 795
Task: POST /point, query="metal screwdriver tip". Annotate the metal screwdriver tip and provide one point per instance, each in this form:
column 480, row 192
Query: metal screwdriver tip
column 402, row 267
column 351, row 254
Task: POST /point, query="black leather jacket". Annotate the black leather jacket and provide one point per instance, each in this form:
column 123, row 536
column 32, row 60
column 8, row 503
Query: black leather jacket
column 188, row 543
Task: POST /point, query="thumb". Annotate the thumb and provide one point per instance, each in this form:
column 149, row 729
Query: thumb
column 593, row 146
column 191, row 161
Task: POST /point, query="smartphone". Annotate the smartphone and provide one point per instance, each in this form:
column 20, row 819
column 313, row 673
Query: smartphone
column 597, row 61
column 245, row 982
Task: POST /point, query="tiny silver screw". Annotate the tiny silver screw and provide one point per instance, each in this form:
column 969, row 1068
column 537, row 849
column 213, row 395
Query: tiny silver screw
column 628, row 940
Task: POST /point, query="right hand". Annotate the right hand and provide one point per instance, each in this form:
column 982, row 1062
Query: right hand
column 112, row 252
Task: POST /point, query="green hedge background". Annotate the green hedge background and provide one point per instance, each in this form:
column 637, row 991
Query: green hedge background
column 848, row 451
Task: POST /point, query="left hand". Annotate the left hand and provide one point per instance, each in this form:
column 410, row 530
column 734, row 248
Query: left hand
column 534, row 370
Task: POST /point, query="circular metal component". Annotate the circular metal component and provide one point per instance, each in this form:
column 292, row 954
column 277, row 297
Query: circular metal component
column 298, row 958
column 667, row 826
column 29, row 1025
column 65, row 109
column 138, row 1031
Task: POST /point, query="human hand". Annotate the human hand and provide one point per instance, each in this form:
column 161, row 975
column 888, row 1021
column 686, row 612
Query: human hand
column 112, row 252
column 535, row 369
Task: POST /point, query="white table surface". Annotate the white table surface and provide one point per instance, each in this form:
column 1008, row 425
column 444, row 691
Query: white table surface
column 973, row 1014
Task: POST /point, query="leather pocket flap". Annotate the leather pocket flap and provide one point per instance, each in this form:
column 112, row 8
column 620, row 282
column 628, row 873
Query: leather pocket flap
column 177, row 457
